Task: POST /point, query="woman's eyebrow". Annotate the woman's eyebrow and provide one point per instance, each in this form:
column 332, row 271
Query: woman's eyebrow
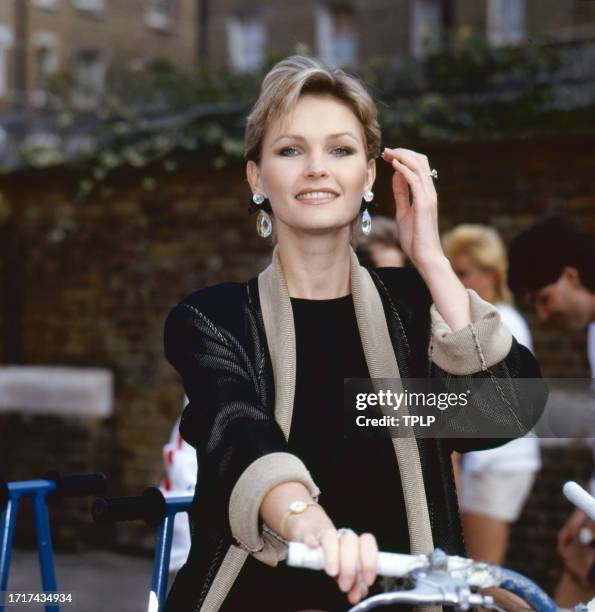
column 329, row 137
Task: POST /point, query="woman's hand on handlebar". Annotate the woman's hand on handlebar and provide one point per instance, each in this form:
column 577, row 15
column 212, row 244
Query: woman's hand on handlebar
column 350, row 559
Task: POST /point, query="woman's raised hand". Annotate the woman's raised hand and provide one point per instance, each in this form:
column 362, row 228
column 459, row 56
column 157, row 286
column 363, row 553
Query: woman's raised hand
column 416, row 205
column 349, row 558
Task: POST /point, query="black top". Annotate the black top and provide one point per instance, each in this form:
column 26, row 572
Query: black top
column 358, row 477
column 216, row 340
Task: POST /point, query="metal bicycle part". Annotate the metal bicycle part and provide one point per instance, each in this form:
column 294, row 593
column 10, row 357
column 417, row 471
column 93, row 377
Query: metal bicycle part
column 431, row 588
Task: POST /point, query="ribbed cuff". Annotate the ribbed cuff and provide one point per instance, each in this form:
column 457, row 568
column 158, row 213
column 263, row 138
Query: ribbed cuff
column 247, row 495
column 483, row 343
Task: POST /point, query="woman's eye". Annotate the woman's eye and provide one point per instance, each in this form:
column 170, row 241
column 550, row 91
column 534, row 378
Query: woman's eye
column 342, row 151
column 288, row 151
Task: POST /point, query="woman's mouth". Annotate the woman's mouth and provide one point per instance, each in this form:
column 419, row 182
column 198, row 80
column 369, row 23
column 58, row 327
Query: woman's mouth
column 316, row 197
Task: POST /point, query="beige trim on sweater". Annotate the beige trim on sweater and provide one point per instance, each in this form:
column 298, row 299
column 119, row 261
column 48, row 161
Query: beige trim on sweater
column 247, row 495
column 381, row 360
column 483, row 343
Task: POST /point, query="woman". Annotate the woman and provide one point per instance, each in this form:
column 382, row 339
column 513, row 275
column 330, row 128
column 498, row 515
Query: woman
column 381, row 248
column 493, row 484
column 263, row 364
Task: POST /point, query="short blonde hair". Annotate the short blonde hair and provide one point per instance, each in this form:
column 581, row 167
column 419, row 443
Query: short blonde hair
column 485, row 248
column 297, row 75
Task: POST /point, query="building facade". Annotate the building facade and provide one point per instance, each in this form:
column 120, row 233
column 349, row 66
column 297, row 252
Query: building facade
column 38, row 38
column 85, row 38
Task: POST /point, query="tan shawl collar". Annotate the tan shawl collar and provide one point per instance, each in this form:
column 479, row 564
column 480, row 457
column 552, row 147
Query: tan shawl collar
column 380, row 358
column 382, row 363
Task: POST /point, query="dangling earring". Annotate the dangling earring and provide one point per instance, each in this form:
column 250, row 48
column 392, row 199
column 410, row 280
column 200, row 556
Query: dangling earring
column 264, row 224
column 366, row 218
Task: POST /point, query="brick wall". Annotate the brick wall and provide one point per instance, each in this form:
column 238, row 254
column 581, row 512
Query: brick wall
column 90, row 283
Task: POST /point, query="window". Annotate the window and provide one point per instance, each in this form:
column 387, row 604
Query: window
column 89, row 5
column 506, row 22
column 6, row 41
column 90, row 74
column 426, row 26
column 160, row 14
column 336, row 38
column 46, row 4
column 45, row 63
column 247, row 40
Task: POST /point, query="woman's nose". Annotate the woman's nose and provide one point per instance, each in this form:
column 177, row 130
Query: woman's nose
column 316, row 167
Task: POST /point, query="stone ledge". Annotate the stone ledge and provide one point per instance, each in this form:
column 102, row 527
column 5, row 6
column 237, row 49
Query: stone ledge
column 58, row 391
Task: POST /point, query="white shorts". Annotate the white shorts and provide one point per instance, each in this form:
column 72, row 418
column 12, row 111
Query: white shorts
column 499, row 495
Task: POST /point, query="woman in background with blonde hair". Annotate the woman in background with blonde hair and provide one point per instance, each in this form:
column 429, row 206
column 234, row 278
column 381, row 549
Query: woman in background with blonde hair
column 493, row 484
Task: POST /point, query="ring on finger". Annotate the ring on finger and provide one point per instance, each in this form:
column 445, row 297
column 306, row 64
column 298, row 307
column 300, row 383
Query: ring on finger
column 433, row 173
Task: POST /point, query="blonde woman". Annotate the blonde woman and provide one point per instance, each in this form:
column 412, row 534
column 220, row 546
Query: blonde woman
column 493, row 484
column 263, row 364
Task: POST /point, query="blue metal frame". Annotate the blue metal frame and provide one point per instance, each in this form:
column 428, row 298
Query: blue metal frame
column 173, row 505
column 525, row 588
column 37, row 490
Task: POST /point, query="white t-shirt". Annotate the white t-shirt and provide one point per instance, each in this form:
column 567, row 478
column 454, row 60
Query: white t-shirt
column 522, row 454
column 181, row 468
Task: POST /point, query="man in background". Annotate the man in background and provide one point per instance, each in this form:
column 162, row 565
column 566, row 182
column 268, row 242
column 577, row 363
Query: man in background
column 552, row 266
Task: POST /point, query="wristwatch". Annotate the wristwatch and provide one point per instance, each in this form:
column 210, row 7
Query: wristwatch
column 296, row 507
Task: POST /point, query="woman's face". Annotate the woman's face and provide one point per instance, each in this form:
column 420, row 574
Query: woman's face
column 314, row 167
column 475, row 277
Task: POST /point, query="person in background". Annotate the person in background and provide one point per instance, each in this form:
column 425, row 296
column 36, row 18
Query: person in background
column 181, row 468
column 552, row 266
column 494, row 484
column 381, row 248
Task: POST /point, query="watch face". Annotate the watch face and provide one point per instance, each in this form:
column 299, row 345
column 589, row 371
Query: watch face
column 298, row 506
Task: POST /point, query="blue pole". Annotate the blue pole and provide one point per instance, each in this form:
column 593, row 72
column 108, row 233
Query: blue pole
column 38, row 490
column 7, row 524
column 9, row 517
column 163, row 551
column 44, row 546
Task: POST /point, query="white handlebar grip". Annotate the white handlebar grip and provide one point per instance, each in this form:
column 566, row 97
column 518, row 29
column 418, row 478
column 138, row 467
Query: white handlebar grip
column 300, row 555
column 580, row 498
column 389, row 564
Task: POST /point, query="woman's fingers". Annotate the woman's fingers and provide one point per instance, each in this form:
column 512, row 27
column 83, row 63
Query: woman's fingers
column 330, row 545
column 401, row 193
column 358, row 592
column 416, row 163
column 348, row 559
column 368, row 554
column 412, row 179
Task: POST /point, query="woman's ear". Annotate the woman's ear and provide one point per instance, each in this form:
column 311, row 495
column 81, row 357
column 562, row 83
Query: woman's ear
column 371, row 173
column 253, row 176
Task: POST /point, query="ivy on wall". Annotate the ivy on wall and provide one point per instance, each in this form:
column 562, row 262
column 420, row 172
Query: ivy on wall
column 464, row 89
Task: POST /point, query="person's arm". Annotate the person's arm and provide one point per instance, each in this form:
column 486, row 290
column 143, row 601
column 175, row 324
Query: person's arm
column 247, row 475
column 243, row 452
column 481, row 355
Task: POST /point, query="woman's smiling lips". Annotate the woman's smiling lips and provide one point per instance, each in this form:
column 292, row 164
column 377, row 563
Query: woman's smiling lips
column 316, row 196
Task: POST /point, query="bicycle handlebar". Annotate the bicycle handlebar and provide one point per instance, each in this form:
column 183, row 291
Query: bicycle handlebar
column 3, row 494
column 389, row 564
column 437, row 578
column 149, row 507
column 77, row 485
column 580, row 498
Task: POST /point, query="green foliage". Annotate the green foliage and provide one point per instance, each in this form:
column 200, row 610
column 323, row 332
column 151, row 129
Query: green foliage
column 152, row 116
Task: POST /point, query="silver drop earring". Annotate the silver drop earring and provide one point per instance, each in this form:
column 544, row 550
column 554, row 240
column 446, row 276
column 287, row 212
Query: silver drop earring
column 366, row 218
column 264, row 224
